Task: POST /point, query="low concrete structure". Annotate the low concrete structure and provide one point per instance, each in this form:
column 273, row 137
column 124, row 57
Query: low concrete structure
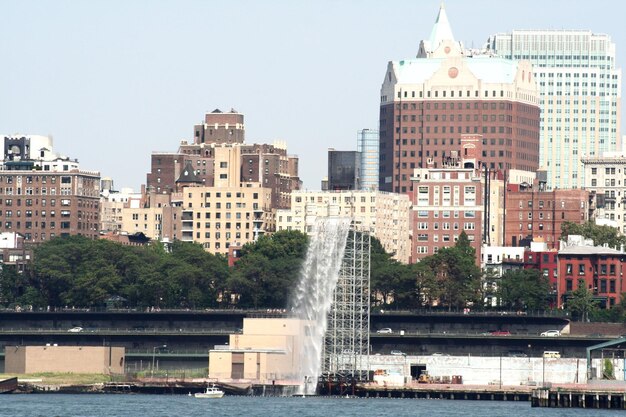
column 266, row 351
column 72, row 359
column 505, row 371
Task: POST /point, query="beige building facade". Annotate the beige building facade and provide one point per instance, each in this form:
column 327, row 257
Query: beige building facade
column 218, row 217
column 72, row 359
column 267, row 350
column 387, row 214
column 605, row 178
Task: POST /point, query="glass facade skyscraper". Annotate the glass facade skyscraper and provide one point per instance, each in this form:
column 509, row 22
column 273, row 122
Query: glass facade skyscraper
column 367, row 145
column 580, row 96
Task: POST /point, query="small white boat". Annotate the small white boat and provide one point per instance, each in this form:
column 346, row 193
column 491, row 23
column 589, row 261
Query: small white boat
column 210, row 392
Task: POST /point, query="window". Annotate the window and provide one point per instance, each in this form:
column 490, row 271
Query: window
column 581, row 269
column 568, row 269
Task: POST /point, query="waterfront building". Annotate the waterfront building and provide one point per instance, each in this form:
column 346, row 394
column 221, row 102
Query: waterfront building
column 428, row 102
column 367, row 145
column 385, row 214
column 605, row 179
column 580, row 96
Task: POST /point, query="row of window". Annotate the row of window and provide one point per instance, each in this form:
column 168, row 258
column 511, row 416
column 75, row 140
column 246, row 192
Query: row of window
column 8, row 225
column 569, row 269
column 569, row 285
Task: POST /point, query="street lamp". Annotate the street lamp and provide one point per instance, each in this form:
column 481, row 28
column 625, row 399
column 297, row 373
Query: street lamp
column 154, row 349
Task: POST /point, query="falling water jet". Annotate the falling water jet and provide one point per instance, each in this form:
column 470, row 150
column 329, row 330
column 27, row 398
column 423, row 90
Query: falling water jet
column 313, row 297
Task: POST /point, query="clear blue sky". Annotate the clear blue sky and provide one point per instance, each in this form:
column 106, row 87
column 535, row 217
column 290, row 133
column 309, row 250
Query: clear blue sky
column 113, row 81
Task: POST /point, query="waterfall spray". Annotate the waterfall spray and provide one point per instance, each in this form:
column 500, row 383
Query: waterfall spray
column 314, row 294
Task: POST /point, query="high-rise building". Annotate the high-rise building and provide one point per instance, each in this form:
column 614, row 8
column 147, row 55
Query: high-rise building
column 428, row 102
column 580, row 91
column 367, row 145
column 267, row 164
column 344, row 170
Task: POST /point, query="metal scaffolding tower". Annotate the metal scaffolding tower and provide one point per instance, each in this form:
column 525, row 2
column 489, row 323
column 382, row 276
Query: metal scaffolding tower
column 347, row 341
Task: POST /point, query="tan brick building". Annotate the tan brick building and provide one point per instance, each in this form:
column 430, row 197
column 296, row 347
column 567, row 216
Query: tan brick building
column 267, row 164
column 71, row 359
column 217, row 217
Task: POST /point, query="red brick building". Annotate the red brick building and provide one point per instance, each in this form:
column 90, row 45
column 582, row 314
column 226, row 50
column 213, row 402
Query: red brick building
column 598, row 269
column 532, row 213
column 446, row 201
column 429, row 101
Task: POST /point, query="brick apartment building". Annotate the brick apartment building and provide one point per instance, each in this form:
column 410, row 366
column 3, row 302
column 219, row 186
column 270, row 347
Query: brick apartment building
column 533, row 213
column 42, row 205
column 429, row 101
column 446, row 201
column 598, row 269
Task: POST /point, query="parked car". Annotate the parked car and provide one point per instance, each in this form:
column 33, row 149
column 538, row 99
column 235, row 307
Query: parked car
column 439, row 354
column 396, row 353
column 500, row 333
column 75, row 329
column 551, row 354
column 517, row 354
column 386, row 330
column 551, row 333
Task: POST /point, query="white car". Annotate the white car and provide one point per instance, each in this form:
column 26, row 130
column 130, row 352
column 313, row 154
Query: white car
column 386, row 330
column 396, row 353
column 75, row 330
column 551, row 333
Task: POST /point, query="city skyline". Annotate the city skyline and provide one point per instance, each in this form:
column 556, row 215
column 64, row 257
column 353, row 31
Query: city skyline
column 113, row 82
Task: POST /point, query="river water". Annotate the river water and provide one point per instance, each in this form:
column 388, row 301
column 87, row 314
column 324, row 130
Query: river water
column 114, row 405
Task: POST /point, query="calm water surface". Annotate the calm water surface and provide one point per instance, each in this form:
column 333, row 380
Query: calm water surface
column 94, row 405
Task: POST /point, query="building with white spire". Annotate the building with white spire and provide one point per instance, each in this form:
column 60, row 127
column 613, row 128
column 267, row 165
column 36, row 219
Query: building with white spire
column 428, row 102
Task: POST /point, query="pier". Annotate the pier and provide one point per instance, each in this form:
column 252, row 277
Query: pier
column 579, row 398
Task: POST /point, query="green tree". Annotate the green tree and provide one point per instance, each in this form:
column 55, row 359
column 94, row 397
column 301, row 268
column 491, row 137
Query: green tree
column 524, row 289
column 601, row 235
column 582, row 304
column 384, row 272
column 268, row 270
column 426, row 288
column 459, row 276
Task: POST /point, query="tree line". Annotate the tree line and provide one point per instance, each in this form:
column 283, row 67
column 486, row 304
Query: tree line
column 78, row 272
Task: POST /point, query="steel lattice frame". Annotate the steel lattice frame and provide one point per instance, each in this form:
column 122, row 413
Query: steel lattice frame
column 347, row 341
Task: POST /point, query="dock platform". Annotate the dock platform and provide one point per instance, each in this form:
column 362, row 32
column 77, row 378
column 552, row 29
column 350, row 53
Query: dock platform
column 579, row 398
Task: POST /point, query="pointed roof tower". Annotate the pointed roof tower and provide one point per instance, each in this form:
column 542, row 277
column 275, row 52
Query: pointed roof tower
column 441, row 32
column 188, row 177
